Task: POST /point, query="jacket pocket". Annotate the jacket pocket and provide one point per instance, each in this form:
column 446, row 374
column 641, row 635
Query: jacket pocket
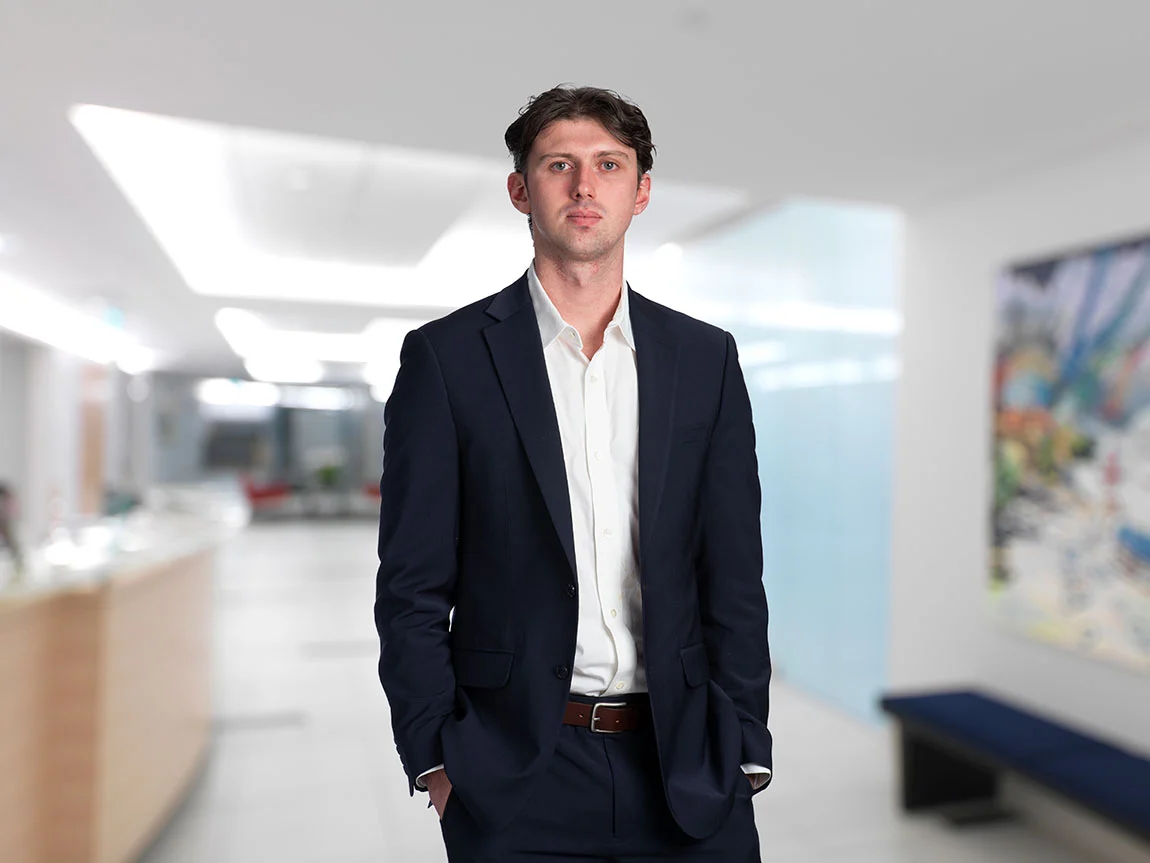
column 481, row 669
column 696, row 666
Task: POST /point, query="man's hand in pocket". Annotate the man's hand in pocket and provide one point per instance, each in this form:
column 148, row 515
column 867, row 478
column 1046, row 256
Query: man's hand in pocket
column 439, row 788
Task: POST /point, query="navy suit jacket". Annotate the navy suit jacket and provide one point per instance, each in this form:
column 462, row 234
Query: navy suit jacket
column 476, row 595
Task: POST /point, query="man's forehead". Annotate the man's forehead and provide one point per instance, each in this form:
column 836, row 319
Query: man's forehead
column 587, row 131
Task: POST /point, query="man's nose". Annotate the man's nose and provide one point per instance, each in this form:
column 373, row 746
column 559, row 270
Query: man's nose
column 584, row 182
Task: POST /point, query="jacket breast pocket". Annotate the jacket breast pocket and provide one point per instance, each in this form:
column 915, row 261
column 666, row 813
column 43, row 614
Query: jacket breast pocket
column 696, row 666
column 481, row 669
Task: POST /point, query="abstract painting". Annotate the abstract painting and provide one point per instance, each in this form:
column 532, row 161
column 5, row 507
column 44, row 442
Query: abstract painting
column 1070, row 561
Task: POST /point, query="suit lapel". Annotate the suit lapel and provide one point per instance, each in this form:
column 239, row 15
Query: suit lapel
column 517, row 353
column 657, row 358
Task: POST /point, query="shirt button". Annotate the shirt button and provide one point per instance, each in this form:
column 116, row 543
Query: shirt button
column 561, row 671
column 594, row 379
column 614, row 613
column 619, row 685
column 606, row 531
column 598, row 455
column 570, row 590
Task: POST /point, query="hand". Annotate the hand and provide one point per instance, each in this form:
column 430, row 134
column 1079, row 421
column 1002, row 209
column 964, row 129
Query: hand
column 439, row 789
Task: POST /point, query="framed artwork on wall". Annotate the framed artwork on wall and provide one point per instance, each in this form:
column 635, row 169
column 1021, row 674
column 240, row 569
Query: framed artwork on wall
column 1070, row 556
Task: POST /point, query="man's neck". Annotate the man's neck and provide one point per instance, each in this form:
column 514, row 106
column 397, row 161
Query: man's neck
column 586, row 294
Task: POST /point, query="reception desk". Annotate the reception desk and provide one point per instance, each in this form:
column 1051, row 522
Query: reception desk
column 105, row 705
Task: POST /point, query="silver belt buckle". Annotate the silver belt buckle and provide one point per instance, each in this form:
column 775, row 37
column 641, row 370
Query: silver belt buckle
column 595, row 716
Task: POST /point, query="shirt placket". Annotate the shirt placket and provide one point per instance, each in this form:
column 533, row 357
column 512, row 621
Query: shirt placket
column 608, row 529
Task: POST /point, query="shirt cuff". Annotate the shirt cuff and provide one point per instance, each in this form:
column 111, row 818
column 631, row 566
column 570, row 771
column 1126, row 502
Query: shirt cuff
column 759, row 774
column 422, row 786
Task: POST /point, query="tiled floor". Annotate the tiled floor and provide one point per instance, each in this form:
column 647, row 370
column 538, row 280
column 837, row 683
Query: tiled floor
column 303, row 767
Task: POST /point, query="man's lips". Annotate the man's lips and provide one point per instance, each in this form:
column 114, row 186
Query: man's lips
column 584, row 217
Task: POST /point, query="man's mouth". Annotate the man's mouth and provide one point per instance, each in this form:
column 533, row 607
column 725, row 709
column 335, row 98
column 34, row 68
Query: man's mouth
column 584, row 217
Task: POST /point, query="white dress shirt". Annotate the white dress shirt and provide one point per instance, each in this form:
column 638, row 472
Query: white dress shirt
column 597, row 406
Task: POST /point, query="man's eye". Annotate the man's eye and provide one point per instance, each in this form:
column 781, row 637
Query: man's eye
column 558, row 166
column 610, row 166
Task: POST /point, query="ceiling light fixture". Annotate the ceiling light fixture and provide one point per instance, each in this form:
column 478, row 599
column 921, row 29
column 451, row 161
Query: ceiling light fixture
column 135, row 360
column 317, row 398
column 175, row 173
column 245, row 333
column 221, row 391
column 36, row 315
column 287, row 370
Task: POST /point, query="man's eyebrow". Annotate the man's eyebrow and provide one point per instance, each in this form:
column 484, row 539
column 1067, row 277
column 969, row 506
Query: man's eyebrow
column 613, row 153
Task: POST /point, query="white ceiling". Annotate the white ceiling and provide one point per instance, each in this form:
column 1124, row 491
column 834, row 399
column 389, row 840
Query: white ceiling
column 904, row 102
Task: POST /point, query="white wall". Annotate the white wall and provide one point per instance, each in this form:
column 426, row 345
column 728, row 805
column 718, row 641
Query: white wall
column 53, row 428
column 13, row 414
column 141, row 422
column 941, row 630
column 117, row 435
column 177, row 447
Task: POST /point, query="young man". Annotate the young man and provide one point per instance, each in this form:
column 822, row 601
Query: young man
column 570, row 607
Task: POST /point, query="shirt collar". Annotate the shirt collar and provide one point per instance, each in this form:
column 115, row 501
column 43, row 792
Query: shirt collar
column 552, row 325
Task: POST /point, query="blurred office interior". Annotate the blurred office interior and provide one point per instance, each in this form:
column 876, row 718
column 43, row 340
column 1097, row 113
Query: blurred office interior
column 219, row 220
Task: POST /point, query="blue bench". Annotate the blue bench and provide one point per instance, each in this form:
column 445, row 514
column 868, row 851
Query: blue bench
column 955, row 746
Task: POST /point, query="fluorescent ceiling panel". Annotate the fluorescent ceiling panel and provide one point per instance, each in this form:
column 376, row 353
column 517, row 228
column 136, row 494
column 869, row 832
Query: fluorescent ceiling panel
column 335, row 200
column 37, row 315
column 197, row 187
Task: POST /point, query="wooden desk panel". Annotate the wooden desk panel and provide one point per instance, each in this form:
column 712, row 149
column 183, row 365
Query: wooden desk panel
column 104, row 712
column 23, row 633
column 156, row 714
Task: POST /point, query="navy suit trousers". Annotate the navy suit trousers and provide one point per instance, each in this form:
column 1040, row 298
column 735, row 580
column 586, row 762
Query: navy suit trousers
column 600, row 799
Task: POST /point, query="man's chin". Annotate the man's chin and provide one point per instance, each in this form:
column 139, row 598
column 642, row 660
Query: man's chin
column 595, row 249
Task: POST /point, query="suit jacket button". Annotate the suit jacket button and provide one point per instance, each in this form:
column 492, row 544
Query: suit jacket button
column 561, row 671
column 570, row 590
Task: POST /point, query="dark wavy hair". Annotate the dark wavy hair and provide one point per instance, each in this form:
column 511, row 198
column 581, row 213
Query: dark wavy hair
column 621, row 118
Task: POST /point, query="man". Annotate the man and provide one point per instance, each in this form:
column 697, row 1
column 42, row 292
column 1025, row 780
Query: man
column 570, row 606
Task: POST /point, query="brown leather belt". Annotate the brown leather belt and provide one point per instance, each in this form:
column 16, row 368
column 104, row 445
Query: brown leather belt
column 607, row 717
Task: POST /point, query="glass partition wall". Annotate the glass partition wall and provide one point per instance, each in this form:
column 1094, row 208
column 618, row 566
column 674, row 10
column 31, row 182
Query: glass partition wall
column 810, row 291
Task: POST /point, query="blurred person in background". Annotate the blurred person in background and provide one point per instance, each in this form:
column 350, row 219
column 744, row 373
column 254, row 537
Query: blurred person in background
column 8, row 527
column 569, row 600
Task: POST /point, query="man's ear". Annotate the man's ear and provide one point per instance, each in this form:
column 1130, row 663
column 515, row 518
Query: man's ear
column 517, row 190
column 643, row 196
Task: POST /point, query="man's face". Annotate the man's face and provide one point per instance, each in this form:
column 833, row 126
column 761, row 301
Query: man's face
column 581, row 188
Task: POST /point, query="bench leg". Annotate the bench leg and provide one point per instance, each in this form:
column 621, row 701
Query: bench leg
column 933, row 776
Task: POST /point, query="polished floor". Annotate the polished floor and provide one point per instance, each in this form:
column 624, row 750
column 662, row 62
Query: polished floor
column 303, row 768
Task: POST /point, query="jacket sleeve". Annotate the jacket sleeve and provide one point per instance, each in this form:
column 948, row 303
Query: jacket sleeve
column 419, row 500
column 733, row 601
